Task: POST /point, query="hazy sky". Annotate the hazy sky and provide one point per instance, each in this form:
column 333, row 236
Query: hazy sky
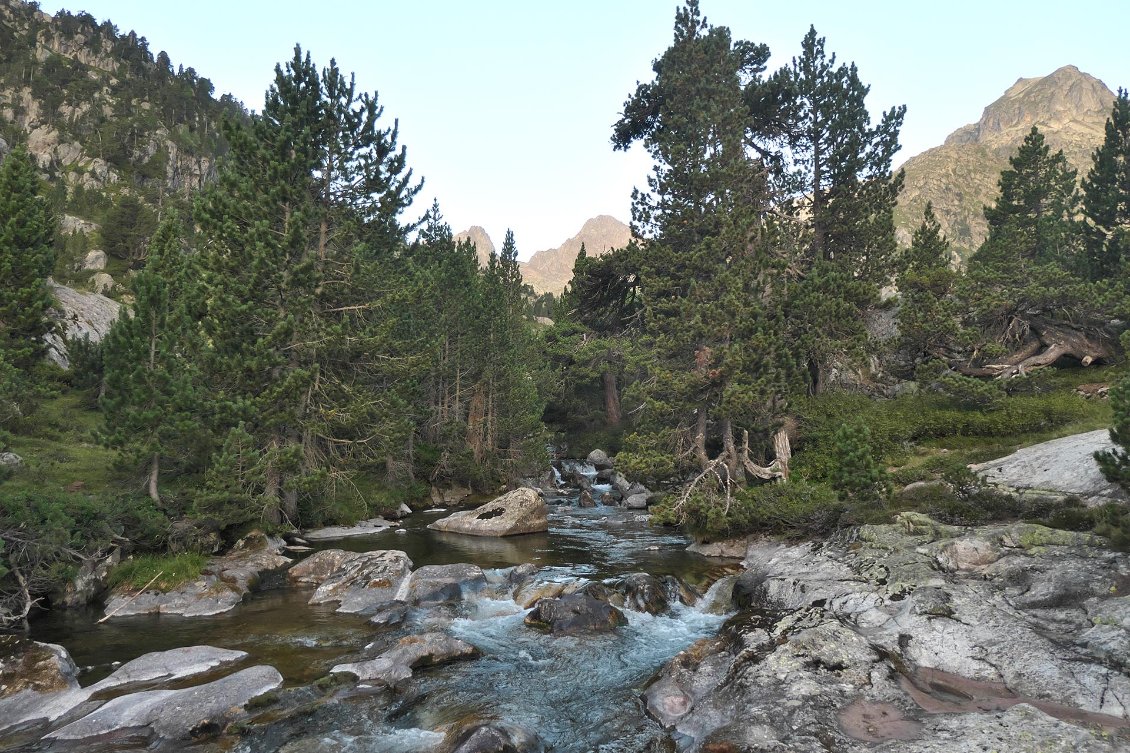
column 506, row 106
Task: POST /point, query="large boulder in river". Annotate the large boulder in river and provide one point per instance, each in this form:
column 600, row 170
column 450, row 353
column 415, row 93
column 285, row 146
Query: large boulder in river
column 517, row 512
column 575, row 613
column 599, row 460
column 395, row 665
column 436, row 584
column 1061, row 468
column 360, row 582
column 175, row 715
column 223, row 583
column 31, row 675
column 491, row 737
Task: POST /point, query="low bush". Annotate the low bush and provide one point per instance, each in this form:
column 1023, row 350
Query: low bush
column 794, row 509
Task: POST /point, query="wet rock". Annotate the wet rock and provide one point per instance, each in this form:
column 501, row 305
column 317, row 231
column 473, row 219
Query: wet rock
column 605, row 476
column 146, row 671
column 492, row 737
column 642, row 592
column 175, row 715
column 361, row 528
column 395, row 665
column 586, row 500
column 223, row 584
column 435, row 584
column 599, row 460
column 514, row 513
column 360, row 581
column 33, row 675
column 389, row 615
column 1063, row 467
column 726, row 549
column 575, row 613
column 1021, row 729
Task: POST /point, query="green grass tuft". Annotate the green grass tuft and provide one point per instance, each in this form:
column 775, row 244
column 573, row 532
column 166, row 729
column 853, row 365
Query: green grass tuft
column 175, row 569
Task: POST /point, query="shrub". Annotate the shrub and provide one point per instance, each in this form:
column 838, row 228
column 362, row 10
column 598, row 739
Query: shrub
column 855, row 472
column 794, row 509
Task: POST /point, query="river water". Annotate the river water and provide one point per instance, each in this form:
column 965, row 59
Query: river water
column 577, row 693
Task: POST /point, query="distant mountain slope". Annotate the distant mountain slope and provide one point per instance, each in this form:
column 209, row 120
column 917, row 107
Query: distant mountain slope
column 960, row 177
column 102, row 115
column 549, row 271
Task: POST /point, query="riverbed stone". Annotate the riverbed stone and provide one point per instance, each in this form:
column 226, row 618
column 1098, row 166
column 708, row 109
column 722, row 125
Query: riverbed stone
column 491, row 737
column 175, row 715
column 575, row 613
column 514, row 513
column 437, row 584
column 641, row 592
column 33, row 676
column 637, row 501
column 359, row 581
column 394, row 666
column 368, row 527
column 599, row 460
column 913, row 626
column 1062, row 467
column 724, row 549
column 224, row 583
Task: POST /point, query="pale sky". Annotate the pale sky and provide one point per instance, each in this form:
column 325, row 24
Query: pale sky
column 506, row 106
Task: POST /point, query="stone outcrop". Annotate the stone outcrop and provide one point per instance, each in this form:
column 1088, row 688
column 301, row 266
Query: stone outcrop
column 1060, row 468
column 360, row 582
column 914, row 637
column 395, row 665
column 361, row 528
column 437, row 584
column 78, row 315
column 175, row 715
column 514, row 513
column 223, row 584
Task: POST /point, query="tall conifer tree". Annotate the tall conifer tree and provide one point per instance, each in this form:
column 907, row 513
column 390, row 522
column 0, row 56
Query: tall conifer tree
column 1106, row 197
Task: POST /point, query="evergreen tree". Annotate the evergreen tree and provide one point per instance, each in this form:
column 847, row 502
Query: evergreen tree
column 1033, row 219
column 296, row 234
column 27, row 256
column 1106, row 197
column 151, row 394
column 929, row 315
column 836, row 173
column 716, row 369
column 856, row 474
column 1115, row 463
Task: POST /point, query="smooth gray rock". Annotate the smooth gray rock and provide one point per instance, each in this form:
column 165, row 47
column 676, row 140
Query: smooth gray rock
column 395, row 665
column 514, row 513
column 95, row 261
column 491, row 737
column 78, row 315
column 436, row 584
column 90, row 582
column 359, row 581
column 33, row 677
column 11, row 459
column 176, row 714
column 1062, row 467
column 361, row 528
column 637, row 501
column 599, row 460
column 101, row 283
column 222, row 585
column 888, row 637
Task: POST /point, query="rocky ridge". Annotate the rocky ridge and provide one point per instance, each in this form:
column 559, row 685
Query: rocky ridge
column 961, row 176
column 550, row 270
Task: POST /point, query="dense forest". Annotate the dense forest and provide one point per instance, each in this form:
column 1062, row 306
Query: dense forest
column 306, row 345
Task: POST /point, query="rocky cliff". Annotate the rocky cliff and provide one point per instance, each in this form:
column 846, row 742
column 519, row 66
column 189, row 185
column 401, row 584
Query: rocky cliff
column 550, row 270
column 960, row 177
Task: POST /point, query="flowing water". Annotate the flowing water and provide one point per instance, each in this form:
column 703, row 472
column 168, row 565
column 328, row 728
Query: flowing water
column 577, row 693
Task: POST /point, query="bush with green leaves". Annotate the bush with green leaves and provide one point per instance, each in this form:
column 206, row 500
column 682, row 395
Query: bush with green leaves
column 795, row 509
column 856, row 473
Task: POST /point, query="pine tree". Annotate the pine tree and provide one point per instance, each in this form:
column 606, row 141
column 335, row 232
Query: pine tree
column 929, row 315
column 856, row 474
column 716, row 368
column 1115, row 463
column 1106, row 197
column 1036, row 208
column 836, row 175
column 27, row 256
column 296, row 235
column 151, row 389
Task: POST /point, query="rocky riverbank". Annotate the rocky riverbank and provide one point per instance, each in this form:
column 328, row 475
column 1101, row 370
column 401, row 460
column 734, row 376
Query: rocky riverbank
column 913, row 637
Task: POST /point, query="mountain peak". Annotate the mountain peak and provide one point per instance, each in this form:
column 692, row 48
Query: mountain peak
column 960, row 177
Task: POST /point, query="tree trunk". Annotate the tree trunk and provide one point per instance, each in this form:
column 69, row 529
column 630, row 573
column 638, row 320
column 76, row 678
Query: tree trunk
column 700, row 440
column 154, row 471
column 612, row 412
